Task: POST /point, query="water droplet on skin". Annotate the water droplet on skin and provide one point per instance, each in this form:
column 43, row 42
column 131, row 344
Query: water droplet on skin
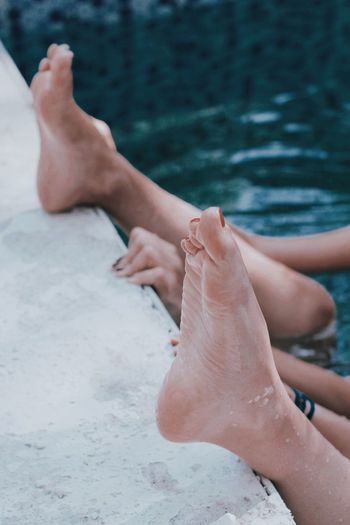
column 268, row 391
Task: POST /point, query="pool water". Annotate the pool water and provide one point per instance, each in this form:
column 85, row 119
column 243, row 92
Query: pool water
column 226, row 103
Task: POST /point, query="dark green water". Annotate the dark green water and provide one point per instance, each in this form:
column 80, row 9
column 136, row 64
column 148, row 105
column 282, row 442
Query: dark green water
column 241, row 104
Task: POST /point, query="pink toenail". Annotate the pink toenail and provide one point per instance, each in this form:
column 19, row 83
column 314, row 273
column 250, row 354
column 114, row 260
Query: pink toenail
column 222, row 218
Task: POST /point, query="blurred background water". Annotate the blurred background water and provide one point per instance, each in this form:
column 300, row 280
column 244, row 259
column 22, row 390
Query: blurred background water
column 239, row 103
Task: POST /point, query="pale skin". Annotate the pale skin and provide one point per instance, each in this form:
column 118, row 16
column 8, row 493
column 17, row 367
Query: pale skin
column 79, row 165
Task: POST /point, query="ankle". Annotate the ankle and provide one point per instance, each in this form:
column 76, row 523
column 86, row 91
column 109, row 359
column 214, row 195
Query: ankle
column 272, row 448
column 287, row 450
column 110, row 187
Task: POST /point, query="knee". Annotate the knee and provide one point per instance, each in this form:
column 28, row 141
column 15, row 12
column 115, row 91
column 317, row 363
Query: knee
column 319, row 307
column 310, row 307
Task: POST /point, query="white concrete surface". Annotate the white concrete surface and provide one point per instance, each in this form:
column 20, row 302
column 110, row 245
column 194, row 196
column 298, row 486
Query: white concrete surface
column 82, row 356
column 19, row 143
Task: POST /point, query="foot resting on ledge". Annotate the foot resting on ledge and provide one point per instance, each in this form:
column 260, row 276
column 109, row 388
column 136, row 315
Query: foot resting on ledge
column 77, row 152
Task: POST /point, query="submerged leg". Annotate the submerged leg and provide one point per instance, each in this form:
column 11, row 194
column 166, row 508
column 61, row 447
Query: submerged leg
column 223, row 387
column 325, row 387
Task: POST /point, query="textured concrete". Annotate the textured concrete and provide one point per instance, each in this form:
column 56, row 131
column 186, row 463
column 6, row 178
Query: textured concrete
column 19, row 144
column 82, row 356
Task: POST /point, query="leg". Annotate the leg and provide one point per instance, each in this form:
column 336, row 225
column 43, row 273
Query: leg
column 319, row 252
column 223, row 387
column 324, row 387
column 335, row 428
column 78, row 167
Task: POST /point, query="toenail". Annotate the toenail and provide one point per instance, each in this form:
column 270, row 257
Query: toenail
column 116, row 266
column 222, row 218
column 195, row 219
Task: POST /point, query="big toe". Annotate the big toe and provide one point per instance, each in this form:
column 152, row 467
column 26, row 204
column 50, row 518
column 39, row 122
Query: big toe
column 62, row 63
column 215, row 235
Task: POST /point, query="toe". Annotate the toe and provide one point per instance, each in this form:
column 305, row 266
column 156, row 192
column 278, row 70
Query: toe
column 51, row 51
column 193, row 266
column 215, row 236
column 193, row 233
column 44, row 65
column 193, row 225
column 62, row 62
column 188, row 247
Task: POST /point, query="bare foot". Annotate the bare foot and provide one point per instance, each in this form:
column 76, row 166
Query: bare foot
column 77, row 152
column 223, row 387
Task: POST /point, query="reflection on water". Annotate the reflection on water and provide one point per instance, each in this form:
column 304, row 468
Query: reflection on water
column 280, row 169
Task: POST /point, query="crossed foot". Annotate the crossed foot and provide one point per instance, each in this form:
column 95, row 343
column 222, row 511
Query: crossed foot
column 77, row 151
column 223, row 386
